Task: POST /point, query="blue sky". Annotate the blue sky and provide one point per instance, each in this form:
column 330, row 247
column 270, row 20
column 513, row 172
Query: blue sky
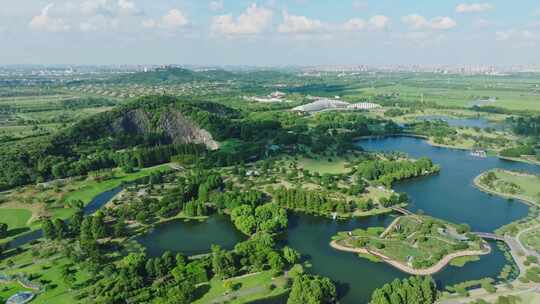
column 270, row 32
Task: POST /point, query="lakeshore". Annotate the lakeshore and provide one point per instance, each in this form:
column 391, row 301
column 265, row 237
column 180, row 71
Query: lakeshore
column 407, row 269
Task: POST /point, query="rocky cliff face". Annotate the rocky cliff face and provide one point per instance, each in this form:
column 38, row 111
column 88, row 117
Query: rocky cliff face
column 181, row 130
column 171, row 122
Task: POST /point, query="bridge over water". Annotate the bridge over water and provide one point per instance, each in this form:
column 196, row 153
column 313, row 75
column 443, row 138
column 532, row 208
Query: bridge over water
column 491, row 236
column 401, row 210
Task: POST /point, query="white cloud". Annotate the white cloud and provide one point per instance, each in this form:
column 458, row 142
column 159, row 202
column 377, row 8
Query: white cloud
column 379, row 22
column 293, row 24
column 355, row 24
column 418, row 22
column 216, row 5
column 253, row 21
column 127, row 7
column 109, row 8
column 44, row 22
column 415, row 21
column 442, row 23
column 473, row 7
column 174, row 19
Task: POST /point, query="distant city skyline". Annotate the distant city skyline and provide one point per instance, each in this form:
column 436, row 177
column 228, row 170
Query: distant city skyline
column 270, row 32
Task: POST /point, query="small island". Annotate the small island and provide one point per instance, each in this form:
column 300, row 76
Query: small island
column 415, row 244
column 520, row 186
column 510, row 184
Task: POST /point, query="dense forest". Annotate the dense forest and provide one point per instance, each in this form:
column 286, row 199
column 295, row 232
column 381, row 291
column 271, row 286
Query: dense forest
column 414, row 290
column 387, row 172
column 141, row 134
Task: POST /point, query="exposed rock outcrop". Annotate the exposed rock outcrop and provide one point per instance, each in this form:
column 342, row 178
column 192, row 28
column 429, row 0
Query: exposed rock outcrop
column 176, row 126
column 181, row 130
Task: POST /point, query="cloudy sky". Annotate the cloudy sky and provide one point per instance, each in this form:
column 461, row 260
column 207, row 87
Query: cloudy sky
column 269, row 32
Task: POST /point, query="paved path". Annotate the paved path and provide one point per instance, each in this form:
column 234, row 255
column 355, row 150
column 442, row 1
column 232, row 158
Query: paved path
column 516, row 247
column 390, row 227
column 525, row 249
column 405, row 268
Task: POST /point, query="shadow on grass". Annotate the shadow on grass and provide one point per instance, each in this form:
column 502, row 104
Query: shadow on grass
column 17, row 231
column 11, row 253
column 201, row 291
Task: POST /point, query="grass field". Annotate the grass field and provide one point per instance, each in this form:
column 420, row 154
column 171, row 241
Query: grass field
column 89, row 189
column 323, row 166
column 14, row 218
column 24, row 206
column 48, row 268
column 530, row 184
column 42, row 112
column 456, row 91
column 528, row 189
column 251, row 288
column 9, row 289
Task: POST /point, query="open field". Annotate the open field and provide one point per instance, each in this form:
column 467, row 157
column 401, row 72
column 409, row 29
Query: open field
column 322, row 165
column 511, row 184
column 28, row 204
column 250, row 288
column 512, row 93
column 515, row 185
column 41, row 112
column 15, row 218
column 47, row 264
column 9, row 289
column 87, row 191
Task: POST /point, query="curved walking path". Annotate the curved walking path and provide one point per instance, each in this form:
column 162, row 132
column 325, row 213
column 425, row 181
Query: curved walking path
column 405, row 268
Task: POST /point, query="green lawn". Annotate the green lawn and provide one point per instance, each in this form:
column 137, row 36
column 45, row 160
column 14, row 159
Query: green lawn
column 90, row 189
column 323, row 166
column 458, row 91
column 49, row 271
column 9, row 289
column 252, row 287
column 33, row 198
column 530, row 184
column 14, row 218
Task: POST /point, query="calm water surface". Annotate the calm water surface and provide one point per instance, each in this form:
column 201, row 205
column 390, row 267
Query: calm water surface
column 449, row 195
column 464, row 122
column 191, row 237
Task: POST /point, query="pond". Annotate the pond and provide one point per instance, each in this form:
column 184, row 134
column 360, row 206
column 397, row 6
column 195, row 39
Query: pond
column 191, row 237
column 464, row 122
